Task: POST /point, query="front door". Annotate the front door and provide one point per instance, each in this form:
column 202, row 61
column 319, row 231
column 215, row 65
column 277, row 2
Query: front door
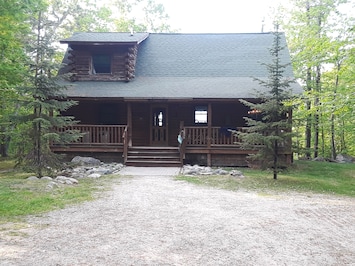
column 159, row 126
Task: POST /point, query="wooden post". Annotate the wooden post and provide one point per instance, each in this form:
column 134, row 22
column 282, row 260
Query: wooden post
column 183, row 144
column 209, row 135
column 129, row 124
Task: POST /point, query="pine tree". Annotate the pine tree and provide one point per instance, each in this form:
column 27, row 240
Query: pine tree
column 272, row 132
column 46, row 100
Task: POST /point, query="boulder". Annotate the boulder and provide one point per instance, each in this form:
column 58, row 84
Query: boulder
column 46, row 178
column 78, row 160
column 319, row 159
column 236, row 173
column 32, row 178
column 51, row 185
column 343, row 158
column 94, row 175
column 66, row 180
column 201, row 170
column 220, row 172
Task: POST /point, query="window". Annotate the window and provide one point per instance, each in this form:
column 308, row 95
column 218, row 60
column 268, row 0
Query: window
column 201, row 115
column 101, row 64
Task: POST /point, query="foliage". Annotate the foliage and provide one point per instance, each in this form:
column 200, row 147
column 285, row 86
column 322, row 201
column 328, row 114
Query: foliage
column 61, row 18
column 13, row 28
column 303, row 176
column 141, row 16
column 45, row 97
column 321, row 41
column 271, row 133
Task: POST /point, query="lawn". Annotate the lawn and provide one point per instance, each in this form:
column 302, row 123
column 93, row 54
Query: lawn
column 303, row 176
column 20, row 197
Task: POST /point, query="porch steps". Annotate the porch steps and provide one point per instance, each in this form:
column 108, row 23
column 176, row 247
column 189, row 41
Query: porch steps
column 153, row 156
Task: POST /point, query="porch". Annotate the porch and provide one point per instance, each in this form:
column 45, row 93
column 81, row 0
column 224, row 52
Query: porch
column 201, row 144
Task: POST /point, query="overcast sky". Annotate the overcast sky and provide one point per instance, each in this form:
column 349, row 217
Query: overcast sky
column 210, row 16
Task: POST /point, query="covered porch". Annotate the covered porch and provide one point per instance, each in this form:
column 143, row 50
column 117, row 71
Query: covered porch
column 148, row 131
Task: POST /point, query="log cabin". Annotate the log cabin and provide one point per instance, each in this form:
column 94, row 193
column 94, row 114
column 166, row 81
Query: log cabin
column 165, row 99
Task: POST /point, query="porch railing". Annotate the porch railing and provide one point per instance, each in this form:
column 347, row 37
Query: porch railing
column 198, row 136
column 99, row 134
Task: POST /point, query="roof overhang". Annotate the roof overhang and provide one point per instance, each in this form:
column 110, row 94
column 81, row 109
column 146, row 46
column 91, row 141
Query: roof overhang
column 105, row 38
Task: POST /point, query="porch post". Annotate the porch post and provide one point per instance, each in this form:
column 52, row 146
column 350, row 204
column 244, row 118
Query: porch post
column 129, row 123
column 209, row 137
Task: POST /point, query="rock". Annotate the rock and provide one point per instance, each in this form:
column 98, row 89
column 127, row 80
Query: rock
column 78, row 160
column 52, row 185
column 102, row 170
column 201, row 170
column 84, row 171
column 220, row 172
column 319, row 159
column 236, row 173
column 343, row 158
column 46, row 178
column 32, row 178
column 94, row 175
column 66, row 180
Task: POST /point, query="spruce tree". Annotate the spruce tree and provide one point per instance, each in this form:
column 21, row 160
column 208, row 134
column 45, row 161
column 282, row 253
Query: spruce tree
column 272, row 132
column 45, row 99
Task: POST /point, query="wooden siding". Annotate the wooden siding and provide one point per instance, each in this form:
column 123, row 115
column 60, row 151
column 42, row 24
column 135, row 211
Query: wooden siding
column 99, row 113
column 123, row 60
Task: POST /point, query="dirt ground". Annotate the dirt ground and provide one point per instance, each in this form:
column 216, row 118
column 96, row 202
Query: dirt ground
column 152, row 219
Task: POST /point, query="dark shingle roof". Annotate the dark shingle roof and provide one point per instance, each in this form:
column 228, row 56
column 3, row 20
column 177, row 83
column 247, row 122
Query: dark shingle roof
column 106, row 37
column 207, row 55
column 182, row 66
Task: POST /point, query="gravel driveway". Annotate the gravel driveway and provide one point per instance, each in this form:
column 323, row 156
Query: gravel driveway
column 152, row 219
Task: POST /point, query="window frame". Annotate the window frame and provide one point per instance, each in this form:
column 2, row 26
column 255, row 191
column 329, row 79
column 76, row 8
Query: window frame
column 107, row 64
column 201, row 110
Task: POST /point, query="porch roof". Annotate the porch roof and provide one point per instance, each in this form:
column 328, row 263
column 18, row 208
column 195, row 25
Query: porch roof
column 169, row 87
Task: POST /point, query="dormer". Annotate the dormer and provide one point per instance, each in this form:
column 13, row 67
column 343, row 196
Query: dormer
column 102, row 56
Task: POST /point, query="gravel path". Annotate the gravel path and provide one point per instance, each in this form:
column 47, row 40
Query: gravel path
column 152, row 219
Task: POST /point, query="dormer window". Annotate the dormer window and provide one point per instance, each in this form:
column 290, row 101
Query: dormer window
column 101, row 64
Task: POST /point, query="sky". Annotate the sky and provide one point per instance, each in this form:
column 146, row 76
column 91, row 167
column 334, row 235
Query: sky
column 220, row 16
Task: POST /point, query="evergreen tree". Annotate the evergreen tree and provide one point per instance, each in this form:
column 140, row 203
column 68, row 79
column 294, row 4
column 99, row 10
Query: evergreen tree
column 272, row 132
column 46, row 100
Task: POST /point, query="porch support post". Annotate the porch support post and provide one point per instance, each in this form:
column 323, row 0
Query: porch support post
column 209, row 134
column 129, row 123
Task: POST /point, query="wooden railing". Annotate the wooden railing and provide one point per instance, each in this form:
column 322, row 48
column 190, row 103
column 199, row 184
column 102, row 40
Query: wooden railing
column 99, row 134
column 198, row 136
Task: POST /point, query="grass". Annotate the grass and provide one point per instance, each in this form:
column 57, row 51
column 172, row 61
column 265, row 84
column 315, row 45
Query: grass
column 303, row 176
column 20, row 197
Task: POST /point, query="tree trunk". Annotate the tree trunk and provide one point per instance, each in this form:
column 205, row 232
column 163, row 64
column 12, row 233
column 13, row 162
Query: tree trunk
column 276, row 154
column 332, row 132
column 332, row 117
column 316, row 116
column 308, row 133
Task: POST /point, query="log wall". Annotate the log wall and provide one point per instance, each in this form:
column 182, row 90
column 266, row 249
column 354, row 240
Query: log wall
column 123, row 60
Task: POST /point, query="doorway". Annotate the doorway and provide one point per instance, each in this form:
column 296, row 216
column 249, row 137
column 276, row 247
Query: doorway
column 159, row 126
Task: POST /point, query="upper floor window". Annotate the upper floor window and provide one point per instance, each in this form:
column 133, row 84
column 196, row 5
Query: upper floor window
column 101, row 64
